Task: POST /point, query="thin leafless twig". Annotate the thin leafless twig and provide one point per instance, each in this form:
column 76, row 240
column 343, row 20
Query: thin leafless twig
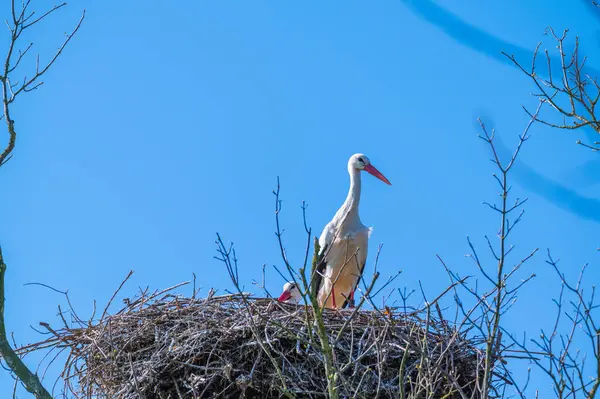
column 570, row 91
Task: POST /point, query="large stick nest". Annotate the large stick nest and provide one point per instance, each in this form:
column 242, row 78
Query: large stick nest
column 236, row 346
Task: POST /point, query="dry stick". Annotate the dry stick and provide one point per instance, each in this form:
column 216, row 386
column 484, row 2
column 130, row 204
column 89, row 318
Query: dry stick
column 368, row 370
column 401, row 371
column 467, row 317
column 356, row 310
column 50, row 363
column 442, row 371
column 284, row 327
column 115, row 294
column 440, row 296
column 232, row 269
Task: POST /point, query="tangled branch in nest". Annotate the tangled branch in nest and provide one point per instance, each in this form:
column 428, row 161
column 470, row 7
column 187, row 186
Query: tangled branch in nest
column 177, row 347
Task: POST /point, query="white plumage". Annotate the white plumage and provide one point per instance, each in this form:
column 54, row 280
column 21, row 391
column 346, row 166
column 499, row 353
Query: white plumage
column 344, row 242
column 291, row 293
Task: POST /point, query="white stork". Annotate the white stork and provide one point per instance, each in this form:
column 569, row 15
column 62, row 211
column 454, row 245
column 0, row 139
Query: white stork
column 291, row 293
column 343, row 244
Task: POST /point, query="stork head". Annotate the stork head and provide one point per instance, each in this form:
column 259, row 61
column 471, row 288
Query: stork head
column 362, row 162
column 291, row 293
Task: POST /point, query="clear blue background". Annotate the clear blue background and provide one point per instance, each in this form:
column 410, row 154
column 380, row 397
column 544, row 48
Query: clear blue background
column 164, row 123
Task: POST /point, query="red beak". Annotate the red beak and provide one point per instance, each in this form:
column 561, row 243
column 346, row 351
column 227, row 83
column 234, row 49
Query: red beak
column 285, row 296
column 373, row 170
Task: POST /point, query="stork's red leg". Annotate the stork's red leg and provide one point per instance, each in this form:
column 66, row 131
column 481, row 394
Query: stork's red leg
column 333, row 298
column 351, row 302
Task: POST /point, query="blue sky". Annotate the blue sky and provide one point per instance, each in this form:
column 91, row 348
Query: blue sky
column 161, row 125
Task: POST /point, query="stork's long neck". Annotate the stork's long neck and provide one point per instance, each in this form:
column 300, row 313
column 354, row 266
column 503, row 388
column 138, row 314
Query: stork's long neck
column 349, row 210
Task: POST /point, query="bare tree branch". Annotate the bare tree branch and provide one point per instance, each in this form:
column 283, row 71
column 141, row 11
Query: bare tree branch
column 22, row 19
column 573, row 93
column 11, row 91
column 13, row 361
